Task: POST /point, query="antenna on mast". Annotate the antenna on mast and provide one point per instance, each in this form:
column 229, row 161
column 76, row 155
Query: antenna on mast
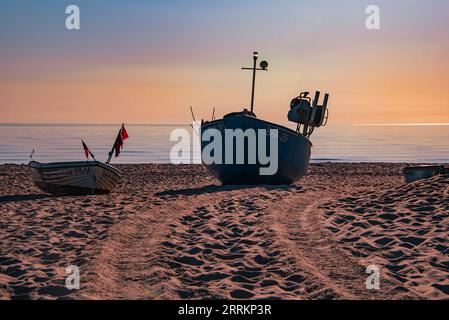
column 263, row 67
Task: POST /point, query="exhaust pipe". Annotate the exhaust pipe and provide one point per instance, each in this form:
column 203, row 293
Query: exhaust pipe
column 326, row 97
column 315, row 100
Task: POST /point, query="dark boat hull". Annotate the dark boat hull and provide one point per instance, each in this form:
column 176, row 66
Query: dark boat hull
column 293, row 153
column 422, row 172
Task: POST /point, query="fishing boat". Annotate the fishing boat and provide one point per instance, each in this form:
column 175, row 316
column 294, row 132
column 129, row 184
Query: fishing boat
column 79, row 177
column 415, row 173
column 293, row 146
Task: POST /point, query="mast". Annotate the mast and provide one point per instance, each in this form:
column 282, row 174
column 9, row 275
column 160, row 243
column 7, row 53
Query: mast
column 255, row 55
column 263, row 67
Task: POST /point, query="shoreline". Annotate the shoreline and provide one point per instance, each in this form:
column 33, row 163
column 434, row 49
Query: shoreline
column 171, row 231
column 312, row 162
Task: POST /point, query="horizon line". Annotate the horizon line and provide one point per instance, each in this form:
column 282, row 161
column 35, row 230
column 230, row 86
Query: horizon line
column 187, row 124
column 404, row 124
column 86, row 124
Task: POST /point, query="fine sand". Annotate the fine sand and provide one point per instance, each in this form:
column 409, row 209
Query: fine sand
column 170, row 232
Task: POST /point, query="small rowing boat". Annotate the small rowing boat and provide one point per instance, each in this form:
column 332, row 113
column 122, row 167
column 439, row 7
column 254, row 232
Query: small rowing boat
column 79, row 177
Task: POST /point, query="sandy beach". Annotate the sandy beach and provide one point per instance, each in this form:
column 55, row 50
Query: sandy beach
column 171, row 232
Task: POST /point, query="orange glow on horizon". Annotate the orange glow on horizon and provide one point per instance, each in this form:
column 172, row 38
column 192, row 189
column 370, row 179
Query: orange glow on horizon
column 393, row 92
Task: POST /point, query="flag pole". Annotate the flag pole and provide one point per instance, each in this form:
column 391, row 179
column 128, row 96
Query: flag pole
column 113, row 146
column 92, row 155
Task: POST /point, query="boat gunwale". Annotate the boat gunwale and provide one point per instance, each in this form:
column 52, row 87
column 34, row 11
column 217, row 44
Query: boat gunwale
column 75, row 164
column 208, row 123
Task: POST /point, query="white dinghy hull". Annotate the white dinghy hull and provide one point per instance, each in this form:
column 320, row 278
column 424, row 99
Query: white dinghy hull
column 81, row 177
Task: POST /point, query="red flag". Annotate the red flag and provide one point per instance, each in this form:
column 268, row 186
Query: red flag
column 118, row 145
column 86, row 150
column 124, row 134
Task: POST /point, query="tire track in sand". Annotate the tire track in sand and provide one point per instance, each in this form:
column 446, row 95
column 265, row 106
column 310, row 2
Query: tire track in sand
column 225, row 249
column 311, row 244
column 264, row 243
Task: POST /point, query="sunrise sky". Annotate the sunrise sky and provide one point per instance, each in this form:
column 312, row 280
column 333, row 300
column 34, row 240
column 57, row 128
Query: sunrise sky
column 142, row 61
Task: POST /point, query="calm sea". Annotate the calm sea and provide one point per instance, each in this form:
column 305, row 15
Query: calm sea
column 151, row 143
